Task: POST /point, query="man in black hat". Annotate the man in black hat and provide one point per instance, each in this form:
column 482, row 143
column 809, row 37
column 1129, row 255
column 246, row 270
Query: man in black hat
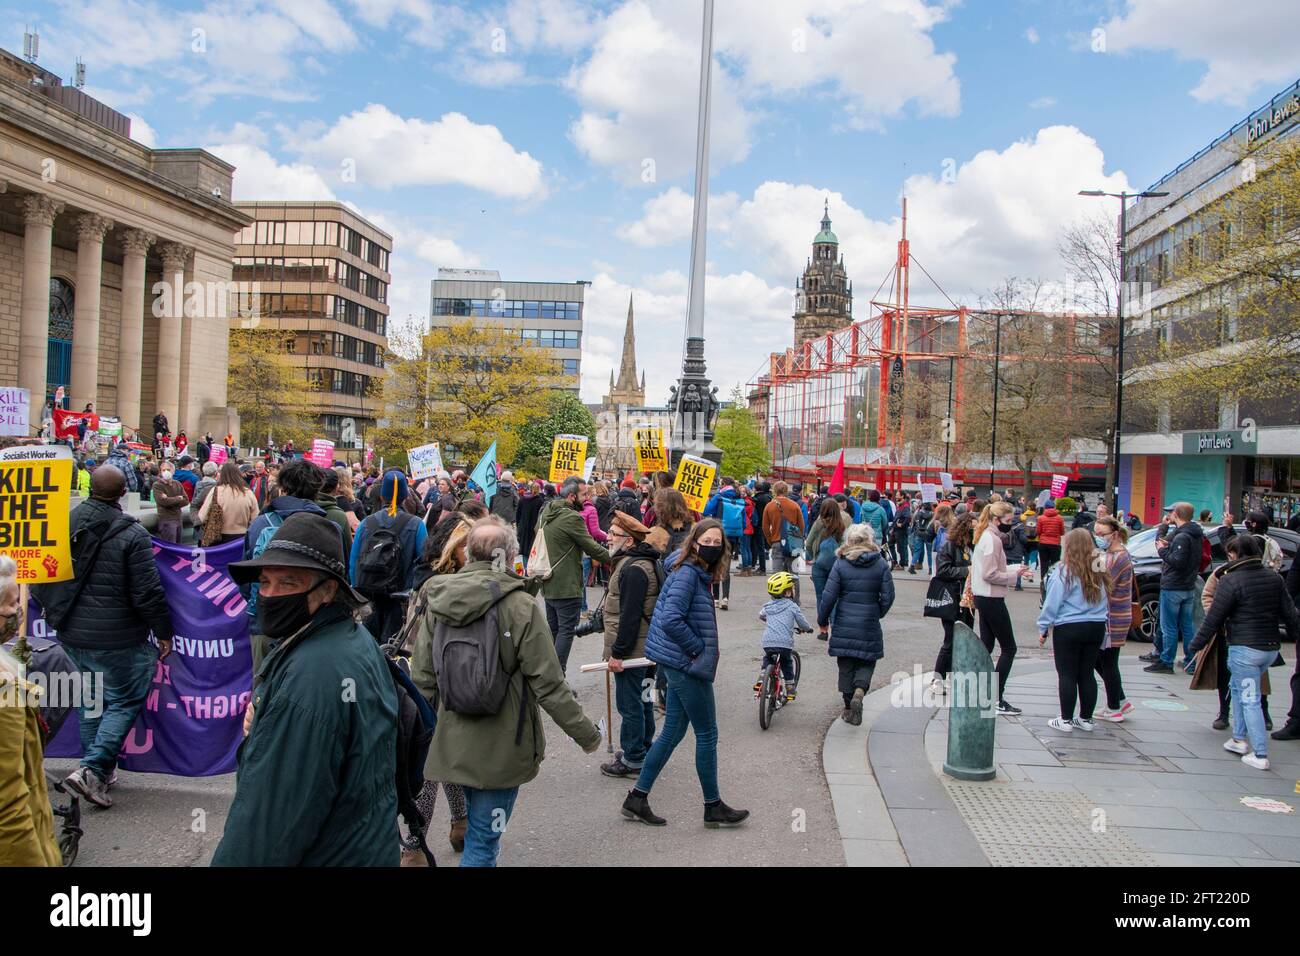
column 316, row 775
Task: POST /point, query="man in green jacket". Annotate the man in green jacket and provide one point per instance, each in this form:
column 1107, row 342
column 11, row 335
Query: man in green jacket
column 567, row 540
column 492, row 755
column 317, row 769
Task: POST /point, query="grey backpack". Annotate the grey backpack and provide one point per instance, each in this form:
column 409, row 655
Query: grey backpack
column 467, row 662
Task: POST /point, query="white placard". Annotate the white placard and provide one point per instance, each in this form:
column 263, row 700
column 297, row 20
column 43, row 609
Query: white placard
column 15, row 412
column 425, row 461
column 586, row 470
column 946, row 478
column 929, row 492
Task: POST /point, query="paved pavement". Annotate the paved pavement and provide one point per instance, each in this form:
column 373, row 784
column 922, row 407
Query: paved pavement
column 817, row 796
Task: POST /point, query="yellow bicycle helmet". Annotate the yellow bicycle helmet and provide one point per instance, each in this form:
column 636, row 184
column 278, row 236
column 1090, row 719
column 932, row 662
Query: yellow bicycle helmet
column 779, row 583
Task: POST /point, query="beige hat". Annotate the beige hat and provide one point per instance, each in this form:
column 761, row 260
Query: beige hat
column 630, row 525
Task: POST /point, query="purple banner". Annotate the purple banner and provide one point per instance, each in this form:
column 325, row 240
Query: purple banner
column 193, row 718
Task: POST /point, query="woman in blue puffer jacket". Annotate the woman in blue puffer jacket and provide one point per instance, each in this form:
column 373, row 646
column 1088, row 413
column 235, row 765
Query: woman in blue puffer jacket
column 858, row 593
column 683, row 641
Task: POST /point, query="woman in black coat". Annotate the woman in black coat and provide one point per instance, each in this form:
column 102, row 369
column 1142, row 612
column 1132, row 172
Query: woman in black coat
column 858, row 593
column 530, row 507
column 952, row 566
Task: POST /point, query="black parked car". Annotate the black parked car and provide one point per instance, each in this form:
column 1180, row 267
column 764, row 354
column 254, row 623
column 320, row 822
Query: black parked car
column 1146, row 567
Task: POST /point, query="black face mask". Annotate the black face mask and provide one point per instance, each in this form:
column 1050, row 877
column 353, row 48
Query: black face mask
column 284, row 614
column 710, row 553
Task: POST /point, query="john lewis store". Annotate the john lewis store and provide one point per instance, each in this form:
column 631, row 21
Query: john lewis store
column 1221, row 469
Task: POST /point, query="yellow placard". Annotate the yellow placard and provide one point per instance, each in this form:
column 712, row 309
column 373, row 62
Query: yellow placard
column 694, row 480
column 568, row 457
column 34, row 502
column 651, row 452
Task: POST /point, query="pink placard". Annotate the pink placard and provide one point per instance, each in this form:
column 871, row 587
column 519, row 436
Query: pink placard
column 218, row 454
column 322, row 452
column 1059, row 483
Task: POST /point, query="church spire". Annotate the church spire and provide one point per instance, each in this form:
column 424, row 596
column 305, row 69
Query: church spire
column 627, row 377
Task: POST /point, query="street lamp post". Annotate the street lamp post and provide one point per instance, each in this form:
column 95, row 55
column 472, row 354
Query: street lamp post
column 1123, row 198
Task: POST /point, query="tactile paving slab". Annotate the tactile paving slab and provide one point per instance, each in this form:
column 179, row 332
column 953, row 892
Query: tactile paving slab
column 1025, row 826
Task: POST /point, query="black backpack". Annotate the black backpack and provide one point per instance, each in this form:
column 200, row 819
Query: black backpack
column 379, row 566
column 416, row 721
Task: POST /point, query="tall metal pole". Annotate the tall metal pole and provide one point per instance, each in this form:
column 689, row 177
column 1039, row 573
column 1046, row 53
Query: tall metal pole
column 696, row 405
column 700, row 223
column 997, row 357
column 1119, row 359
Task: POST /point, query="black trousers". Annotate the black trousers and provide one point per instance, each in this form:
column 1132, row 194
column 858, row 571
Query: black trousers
column 562, row 618
column 995, row 626
column 1108, row 669
column 854, row 673
column 943, row 663
column 758, row 548
column 1075, row 647
column 1048, row 555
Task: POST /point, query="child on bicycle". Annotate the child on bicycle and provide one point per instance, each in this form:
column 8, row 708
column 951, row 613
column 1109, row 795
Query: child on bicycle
column 783, row 618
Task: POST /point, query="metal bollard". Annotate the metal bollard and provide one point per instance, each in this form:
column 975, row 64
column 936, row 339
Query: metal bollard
column 972, row 714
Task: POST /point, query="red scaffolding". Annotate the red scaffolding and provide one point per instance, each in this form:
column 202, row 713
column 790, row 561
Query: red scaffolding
column 843, row 391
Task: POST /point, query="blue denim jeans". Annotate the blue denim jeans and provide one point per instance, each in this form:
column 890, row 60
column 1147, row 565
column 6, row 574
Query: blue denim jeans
column 637, row 710
column 1175, row 622
column 122, row 678
column 489, row 812
column 586, row 576
column 921, row 549
column 746, row 558
column 1247, row 667
column 690, row 703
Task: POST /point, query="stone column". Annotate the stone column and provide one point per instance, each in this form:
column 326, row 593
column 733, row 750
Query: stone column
column 91, row 229
column 34, row 338
column 169, row 308
column 135, row 243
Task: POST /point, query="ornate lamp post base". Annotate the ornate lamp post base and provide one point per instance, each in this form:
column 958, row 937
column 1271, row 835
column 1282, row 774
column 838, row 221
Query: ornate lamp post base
column 695, row 409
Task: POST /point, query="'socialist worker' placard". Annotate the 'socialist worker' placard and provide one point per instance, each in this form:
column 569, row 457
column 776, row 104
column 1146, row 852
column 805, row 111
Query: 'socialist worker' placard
column 34, row 506
column 568, row 457
column 694, row 479
column 651, row 454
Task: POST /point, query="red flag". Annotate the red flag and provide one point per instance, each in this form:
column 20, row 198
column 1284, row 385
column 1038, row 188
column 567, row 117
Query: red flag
column 837, row 479
column 65, row 423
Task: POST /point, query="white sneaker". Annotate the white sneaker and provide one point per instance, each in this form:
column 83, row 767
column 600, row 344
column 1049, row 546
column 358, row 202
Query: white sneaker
column 1114, row 716
column 1126, row 707
column 1061, row 724
column 723, row 604
column 1259, row 763
column 1086, row 725
column 1236, row 746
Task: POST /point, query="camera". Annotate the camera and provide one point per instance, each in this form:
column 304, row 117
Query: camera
column 595, row 624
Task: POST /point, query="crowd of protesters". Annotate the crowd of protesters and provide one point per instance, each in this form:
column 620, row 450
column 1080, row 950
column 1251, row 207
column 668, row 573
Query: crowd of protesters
column 348, row 568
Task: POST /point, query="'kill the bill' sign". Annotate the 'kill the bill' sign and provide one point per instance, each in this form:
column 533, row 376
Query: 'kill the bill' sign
column 568, row 457
column 35, row 487
column 694, row 480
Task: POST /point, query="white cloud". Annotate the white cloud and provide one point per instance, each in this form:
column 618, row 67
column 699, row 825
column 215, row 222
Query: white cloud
column 1000, row 214
column 142, row 132
column 733, row 302
column 639, row 85
column 250, row 47
column 1031, row 35
column 419, row 248
column 1042, row 102
column 638, row 92
column 1243, row 49
column 259, row 175
column 667, row 218
column 390, row 150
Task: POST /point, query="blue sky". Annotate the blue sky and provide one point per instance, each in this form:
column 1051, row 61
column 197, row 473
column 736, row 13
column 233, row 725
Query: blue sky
column 553, row 139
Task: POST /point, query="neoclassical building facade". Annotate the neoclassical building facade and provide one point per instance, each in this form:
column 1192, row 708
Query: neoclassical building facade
column 115, row 261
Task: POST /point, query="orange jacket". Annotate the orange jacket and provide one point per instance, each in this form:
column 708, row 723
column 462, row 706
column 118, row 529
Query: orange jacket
column 777, row 509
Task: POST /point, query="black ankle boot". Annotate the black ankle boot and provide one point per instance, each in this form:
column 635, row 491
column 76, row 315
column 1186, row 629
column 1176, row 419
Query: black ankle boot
column 637, row 807
column 1291, row 731
column 720, row 815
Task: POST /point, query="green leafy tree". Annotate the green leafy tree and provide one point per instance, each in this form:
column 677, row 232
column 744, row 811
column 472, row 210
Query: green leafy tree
column 744, row 449
column 267, row 389
column 564, row 415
